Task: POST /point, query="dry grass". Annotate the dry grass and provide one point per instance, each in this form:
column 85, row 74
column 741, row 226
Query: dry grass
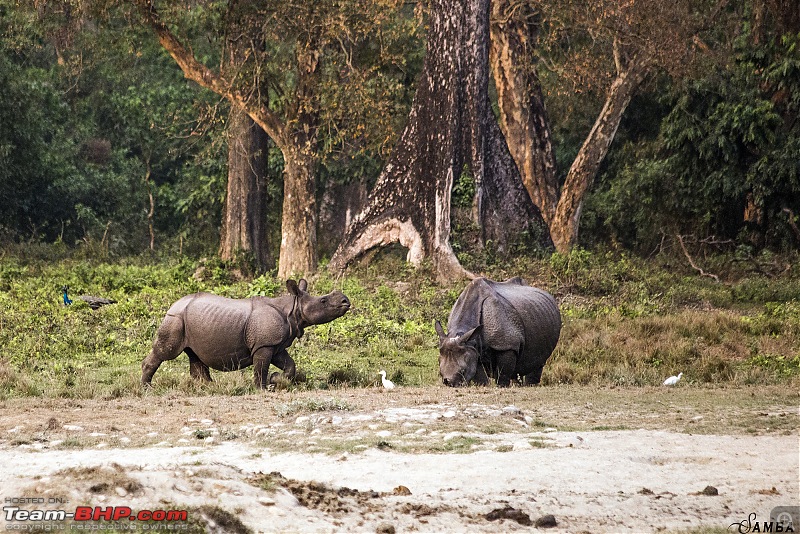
column 714, row 346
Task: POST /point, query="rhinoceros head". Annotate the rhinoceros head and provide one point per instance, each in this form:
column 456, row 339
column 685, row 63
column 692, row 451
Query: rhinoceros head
column 458, row 357
column 317, row 310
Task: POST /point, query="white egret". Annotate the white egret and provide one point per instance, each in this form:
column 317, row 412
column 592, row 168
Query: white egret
column 671, row 381
column 388, row 384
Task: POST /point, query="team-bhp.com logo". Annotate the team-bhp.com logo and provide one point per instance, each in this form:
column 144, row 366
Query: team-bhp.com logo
column 89, row 513
column 781, row 519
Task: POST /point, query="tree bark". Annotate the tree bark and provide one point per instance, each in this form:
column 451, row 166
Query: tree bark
column 523, row 117
column 244, row 215
column 564, row 225
column 450, row 125
column 506, row 214
column 300, row 160
column 243, row 232
column 299, row 217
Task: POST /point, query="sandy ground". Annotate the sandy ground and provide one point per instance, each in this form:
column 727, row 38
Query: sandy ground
column 427, row 460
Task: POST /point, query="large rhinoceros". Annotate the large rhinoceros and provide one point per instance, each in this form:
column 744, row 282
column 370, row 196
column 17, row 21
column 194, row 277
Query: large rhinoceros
column 500, row 329
column 229, row 334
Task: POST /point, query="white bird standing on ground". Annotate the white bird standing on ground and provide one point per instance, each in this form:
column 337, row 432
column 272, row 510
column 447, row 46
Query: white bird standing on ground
column 388, row 384
column 671, row 381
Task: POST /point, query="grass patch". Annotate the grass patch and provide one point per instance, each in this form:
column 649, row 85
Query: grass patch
column 310, row 405
column 627, row 322
column 458, row 445
column 539, row 443
column 101, row 480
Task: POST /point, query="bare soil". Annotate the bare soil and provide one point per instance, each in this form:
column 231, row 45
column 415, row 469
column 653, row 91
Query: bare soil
column 413, row 459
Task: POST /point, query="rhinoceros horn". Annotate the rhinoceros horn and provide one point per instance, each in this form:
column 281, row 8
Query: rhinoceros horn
column 466, row 336
column 462, row 339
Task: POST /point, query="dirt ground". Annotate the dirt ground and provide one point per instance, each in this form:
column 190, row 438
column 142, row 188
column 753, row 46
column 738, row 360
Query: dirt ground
column 411, row 459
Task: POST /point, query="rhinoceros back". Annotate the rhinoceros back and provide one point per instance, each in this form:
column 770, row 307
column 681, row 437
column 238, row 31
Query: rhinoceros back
column 540, row 317
column 215, row 329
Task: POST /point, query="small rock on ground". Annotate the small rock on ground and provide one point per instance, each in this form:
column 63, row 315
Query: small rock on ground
column 711, row 491
column 509, row 513
column 546, row 521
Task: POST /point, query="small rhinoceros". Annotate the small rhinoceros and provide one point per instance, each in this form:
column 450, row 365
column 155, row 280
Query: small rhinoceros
column 229, row 334
column 499, row 329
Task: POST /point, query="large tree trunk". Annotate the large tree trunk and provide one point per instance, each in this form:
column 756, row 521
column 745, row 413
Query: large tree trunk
column 564, row 225
column 243, row 230
column 506, row 214
column 523, row 118
column 300, row 160
column 299, row 218
column 450, row 125
column 244, row 215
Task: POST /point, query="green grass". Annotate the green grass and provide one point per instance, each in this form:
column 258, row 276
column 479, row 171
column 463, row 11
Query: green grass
column 626, row 322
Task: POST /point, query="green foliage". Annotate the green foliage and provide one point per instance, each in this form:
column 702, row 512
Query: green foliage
column 777, row 363
column 458, row 444
column 265, row 286
column 625, row 322
column 311, row 405
column 730, row 141
column 464, row 190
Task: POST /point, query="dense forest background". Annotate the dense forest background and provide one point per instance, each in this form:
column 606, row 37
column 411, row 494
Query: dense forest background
column 107, row 145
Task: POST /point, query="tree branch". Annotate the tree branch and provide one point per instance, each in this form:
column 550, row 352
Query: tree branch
column 691, row 261
column 196, row 71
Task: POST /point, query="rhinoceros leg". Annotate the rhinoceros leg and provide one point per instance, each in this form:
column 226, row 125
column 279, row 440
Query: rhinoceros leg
column 481, row 378
column 532, row 379
column 197, row 369
column 283, row 361
column 506, row 363
column 167, row 346
column 262, row 358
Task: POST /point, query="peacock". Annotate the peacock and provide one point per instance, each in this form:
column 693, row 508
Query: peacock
column 93, row 302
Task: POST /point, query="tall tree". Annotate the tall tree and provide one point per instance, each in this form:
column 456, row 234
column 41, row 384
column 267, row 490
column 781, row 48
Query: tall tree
column 309, row 47
column 243, row 230
column 294, row 132
column 611, row 44
column 631, row 68
column 450, row 125
column 515, row 28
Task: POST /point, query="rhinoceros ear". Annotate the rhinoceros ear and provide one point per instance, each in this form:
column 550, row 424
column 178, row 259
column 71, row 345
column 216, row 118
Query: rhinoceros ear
column 291, row 285
column 466, row 336
column 303, row 284
column 439, row 330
